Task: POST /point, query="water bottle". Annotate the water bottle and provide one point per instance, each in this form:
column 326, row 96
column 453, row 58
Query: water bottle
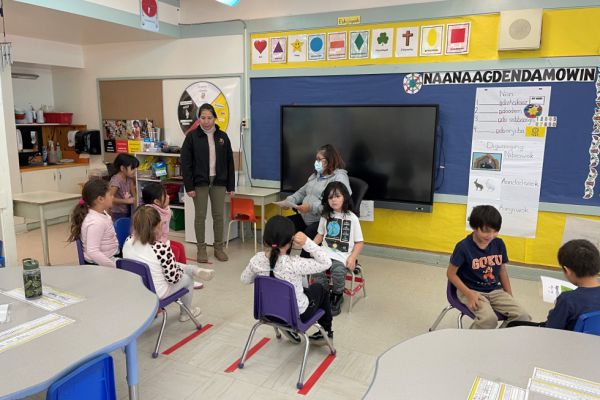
column 32, row 278
column 44, row 155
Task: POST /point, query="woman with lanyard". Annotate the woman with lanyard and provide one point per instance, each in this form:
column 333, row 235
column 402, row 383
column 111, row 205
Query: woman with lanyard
column 208, row 172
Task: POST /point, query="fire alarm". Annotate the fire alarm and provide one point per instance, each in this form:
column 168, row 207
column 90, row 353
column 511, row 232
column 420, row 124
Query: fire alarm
column 149, row 8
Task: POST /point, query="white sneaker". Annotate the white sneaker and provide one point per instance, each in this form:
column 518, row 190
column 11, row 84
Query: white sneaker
column 196, row 312
column 204, row 274
column 198, row 285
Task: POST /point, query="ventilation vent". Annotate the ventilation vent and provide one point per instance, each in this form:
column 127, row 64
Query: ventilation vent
column 520, row 29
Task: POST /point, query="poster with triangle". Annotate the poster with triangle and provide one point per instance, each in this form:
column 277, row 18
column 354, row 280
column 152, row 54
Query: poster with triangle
column 278, row 50
column 260, row 51
column 316, row 47
column 337, row 46
column 407, row 41
column 359, row 44
column 381, row 43
column 432, row 39
column 296, row 48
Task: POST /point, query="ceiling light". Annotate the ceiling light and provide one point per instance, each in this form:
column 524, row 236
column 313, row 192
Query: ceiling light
column 230, row 3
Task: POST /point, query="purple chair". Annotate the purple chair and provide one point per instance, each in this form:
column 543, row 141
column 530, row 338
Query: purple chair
column 457, row 304
column 143, row 271
column 275, row 305
column 80, row 252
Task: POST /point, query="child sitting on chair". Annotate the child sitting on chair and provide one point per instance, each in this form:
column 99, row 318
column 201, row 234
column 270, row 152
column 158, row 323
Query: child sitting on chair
column 580, row 262
column 168, row 275
column 93, row 226
column 278, row 237
column 340, row 228
column 478, row 270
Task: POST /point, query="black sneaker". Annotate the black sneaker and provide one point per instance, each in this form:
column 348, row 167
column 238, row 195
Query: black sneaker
column 318, row 339
column 336, row 303
column 292, row 336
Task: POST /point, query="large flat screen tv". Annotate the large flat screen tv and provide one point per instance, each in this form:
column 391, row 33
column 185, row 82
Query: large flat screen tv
column 391, row 147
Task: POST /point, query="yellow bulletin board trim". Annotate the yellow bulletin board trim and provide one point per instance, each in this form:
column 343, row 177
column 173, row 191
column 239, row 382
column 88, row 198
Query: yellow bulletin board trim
column 440, row 230
column 565, row 33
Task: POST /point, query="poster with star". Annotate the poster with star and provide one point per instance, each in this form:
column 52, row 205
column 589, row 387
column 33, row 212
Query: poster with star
column 381, row 42
column 432, row 40
column 278, row 50
column 359, row 44
column 260, row 50
column 407, row 41
column 296, row 48
column 506, row 162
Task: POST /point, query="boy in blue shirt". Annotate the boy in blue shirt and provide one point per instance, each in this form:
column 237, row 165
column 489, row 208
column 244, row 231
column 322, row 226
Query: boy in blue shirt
column 580, row 261
column 478, row 270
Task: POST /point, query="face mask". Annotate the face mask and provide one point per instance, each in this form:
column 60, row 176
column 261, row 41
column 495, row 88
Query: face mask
column 318, row 166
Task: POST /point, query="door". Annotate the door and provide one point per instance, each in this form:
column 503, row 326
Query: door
column 69, row 179
column 33, row 181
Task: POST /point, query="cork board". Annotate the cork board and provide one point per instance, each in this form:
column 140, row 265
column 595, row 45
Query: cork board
column 132, row 99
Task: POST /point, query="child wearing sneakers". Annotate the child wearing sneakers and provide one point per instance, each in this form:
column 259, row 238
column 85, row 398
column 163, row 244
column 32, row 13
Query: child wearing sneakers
column 278, row 237
column 580, row 262
column 343, row 240
column 167, row 274
column 478, row 270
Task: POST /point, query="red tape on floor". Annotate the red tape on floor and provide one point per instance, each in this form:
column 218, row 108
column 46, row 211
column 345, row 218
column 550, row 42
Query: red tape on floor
column 253, row 350
column 187, row 339
column 310, row 382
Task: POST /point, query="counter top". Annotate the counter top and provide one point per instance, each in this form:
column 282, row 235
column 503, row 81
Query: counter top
column 31, row 168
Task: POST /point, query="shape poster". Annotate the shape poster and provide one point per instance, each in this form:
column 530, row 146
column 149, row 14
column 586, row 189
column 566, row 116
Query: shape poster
column 336, row 49
column 359, row 44
column 278, row 50
column 407, row 41
column 432, row 40
column 505, row 163
column 382, row 42
column 260, row 50
column 296, row 48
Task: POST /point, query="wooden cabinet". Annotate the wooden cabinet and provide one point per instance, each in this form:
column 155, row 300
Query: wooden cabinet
column 65, row 180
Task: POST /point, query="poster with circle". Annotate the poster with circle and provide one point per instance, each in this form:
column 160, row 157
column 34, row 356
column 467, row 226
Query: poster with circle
column 198, row 93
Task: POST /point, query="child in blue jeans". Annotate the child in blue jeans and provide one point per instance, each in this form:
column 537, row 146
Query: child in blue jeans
column 339, row 231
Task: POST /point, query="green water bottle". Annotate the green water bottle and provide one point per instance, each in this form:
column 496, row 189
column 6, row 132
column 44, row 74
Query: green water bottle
column 32, row 278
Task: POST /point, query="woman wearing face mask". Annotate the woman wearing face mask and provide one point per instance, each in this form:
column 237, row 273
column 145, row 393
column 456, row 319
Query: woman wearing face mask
column 208, row 172
column 328, row 168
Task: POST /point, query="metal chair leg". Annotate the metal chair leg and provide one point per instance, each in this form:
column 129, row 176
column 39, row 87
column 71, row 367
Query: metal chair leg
column 160, row 334
column 459, row 320
column 300, row 383
column 255, row 239
column 332, row 350
column 248, row 342
column 228, row 233
column 242, row 226
column 188, row 312
column 351, row 291
column 364, row 288
column 440, row 317
column 277, row 333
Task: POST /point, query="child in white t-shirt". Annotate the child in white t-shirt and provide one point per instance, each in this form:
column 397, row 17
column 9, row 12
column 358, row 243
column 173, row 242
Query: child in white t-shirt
column 339, row 232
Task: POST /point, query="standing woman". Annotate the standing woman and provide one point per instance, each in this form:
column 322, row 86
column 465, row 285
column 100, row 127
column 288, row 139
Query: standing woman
column 208, row 172
column 328, row 168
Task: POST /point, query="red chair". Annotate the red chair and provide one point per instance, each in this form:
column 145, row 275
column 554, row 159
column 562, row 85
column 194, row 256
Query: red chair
column 241, row 210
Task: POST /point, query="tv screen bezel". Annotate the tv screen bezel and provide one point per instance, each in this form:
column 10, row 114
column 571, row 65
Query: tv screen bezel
column 389, row 203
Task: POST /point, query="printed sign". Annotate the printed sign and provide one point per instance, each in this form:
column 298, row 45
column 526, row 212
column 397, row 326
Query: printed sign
column 316, row 47
column 260, row 51
column 381, row 43
column 457, row 38
column 359, row 44
column 296, row 48
column 407, row 39
column 278, row 50
column 432, row 38
column 337, row 46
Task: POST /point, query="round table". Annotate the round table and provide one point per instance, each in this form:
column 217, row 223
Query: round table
column 116, row 310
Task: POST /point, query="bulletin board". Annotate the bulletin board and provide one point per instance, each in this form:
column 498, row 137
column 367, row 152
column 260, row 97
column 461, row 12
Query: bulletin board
column 567, row 157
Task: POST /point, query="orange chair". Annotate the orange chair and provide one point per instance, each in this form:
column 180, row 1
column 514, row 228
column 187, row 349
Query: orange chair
column 241, row 210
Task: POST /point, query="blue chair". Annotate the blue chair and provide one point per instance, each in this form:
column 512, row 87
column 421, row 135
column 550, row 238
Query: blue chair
column 79, row 245
column 143, row 271
column 588, row 323
column 94, row 380
column 458, row 305
column 275, row 305
column 123, row 230
column 1, row 255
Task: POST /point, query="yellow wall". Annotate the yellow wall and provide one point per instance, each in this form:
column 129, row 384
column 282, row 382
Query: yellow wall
column 565, row 33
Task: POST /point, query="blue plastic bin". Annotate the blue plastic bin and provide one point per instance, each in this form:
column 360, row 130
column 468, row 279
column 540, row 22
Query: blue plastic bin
column 94, row 380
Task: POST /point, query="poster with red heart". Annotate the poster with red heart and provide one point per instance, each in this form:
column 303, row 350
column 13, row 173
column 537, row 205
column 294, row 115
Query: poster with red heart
column 260, row 51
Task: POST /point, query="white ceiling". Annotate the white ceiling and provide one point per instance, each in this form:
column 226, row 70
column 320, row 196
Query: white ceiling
column 199, row 11
column 44, row 23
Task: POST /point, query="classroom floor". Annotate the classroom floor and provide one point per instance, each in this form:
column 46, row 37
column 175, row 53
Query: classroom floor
column 403, row 301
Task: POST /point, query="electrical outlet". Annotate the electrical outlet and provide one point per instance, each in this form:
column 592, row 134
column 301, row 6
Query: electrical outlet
column 244, row 123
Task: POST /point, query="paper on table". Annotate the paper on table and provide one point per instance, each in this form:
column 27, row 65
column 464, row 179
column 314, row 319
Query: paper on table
column 563, row 386
column 51, row 300
column 3, row 313
column 30, row 330
column 485, row 389
column 285, row 204
column 552, row 287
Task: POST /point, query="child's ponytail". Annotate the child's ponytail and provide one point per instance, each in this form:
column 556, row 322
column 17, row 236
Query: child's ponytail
column 93, row 189
column 278, row 232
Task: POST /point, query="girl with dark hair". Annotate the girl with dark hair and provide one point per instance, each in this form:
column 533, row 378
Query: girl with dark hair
column 278, row 237
column 168, row 275
column 91, row 224
column 343, row 240
column 122, row 185
column 208, row 172
column 328, row 168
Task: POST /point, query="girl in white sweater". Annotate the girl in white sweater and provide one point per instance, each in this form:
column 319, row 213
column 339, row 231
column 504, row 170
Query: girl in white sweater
column 278, row 237
column 168, row 275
